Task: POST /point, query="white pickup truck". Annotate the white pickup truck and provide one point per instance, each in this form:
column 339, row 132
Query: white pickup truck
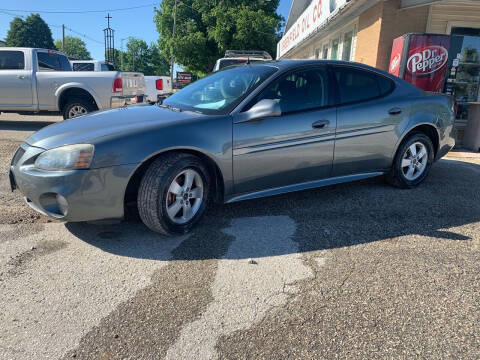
column 40, row 80
column 157, row 88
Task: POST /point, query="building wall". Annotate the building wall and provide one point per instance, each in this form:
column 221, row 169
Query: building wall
column 382, row 23
column 397, row 22
column 368, row 35
column 442, row 14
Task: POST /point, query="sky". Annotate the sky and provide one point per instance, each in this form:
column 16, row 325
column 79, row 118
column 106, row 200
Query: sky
column 88, row 26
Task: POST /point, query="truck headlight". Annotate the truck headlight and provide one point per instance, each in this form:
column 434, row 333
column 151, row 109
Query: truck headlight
column 69, row 157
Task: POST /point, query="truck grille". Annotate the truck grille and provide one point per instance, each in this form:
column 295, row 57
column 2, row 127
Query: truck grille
column 18, row 154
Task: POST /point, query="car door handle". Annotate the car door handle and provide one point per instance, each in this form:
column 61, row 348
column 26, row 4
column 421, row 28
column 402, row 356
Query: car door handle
column 21, row 77
column 320, row 124
column 395, row 111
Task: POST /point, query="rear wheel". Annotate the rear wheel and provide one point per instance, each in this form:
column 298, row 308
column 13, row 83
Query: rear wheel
column 412, row 162
column 77, row 106
column 173, row 193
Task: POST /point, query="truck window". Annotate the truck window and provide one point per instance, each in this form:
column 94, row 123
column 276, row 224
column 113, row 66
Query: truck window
column 48, row 61
column 12, row 60
column 83, row 66
column 107, row 67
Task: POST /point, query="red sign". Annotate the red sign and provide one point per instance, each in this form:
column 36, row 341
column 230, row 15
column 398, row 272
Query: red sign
column 396, row 57
column 427, row 61
column 184, row 77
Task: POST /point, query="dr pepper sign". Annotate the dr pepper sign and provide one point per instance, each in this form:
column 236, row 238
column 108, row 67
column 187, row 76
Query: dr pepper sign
column 421, row 59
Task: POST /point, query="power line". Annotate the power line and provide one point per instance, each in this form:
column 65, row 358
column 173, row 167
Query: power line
column 81, row 11
column 85, row 36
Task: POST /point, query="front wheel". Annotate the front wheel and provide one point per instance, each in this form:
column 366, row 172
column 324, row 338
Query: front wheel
column 412, row 162
column 173, row 193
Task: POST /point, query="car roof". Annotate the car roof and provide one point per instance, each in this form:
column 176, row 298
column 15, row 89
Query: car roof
column 285, row 65
column 13, row 48
column 88, row 61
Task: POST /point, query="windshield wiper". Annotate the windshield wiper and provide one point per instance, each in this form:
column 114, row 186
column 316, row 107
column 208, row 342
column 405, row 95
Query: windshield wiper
column 170, row 107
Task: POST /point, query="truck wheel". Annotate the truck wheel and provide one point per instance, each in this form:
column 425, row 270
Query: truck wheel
column 412, row 162
column 77, row 106
column 173, row 193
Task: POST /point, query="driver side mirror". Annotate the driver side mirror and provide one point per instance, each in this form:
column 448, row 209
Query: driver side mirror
column 263, row 109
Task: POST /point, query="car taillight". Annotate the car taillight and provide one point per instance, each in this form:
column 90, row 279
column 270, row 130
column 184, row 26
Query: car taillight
column 159, row 84
column 117, row 85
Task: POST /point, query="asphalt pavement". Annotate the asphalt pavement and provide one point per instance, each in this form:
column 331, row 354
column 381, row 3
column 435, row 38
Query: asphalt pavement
column 352, row 271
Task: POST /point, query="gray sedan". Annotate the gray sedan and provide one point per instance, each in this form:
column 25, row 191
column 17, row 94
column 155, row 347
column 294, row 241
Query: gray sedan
column 241, row 133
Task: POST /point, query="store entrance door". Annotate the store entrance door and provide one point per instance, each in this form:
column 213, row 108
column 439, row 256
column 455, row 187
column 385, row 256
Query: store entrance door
column 463, row 75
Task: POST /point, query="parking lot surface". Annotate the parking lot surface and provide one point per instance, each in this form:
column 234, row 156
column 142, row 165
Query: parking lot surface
column 357, row 271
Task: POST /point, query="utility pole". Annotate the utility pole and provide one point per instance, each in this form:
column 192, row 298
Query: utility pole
column 174, row 34
column 63, row 38
column 121, row 53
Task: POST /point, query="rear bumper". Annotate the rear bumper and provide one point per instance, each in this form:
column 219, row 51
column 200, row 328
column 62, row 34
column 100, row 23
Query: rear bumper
column 446, row 143
column 73, row 195
column 120, row 101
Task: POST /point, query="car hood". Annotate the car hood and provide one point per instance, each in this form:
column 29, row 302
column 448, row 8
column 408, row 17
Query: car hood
column 92, row 127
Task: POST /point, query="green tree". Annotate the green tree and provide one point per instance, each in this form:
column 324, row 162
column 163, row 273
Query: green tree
column 16, row 33
column 143, row 58
column 206, row 28
column 74, row 47
column 31, row 32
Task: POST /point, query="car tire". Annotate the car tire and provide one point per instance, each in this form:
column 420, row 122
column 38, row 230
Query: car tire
column 80, row 105
column 401, row 175
column 158, row 194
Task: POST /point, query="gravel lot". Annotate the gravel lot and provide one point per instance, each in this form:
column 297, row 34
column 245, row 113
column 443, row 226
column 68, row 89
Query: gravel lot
column 356, row 271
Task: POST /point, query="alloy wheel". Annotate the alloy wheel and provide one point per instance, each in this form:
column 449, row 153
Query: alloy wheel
column 76, row 110
column 184, row 196
column 414, row 161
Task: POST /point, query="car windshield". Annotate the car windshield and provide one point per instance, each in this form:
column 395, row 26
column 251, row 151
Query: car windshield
column 219, row 93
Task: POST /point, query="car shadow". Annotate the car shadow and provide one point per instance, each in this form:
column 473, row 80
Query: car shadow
column 326, row 218
column 24, row 125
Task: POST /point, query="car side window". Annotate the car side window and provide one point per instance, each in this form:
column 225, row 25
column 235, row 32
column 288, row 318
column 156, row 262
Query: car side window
column 356, row 85
column 12, row 60
column 298, row 91
column 386, row 85
column 50, row 61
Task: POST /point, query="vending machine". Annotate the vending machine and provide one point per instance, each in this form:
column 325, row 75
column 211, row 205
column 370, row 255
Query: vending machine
column 421, row 59
column 440, row 63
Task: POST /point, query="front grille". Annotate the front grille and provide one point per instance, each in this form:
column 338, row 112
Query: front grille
column 18, row 154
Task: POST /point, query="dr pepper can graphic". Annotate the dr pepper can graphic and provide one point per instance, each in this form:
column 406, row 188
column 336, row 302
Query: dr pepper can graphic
column 421, row 59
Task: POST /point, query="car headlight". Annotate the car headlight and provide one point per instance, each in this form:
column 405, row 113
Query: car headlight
column 69, row 157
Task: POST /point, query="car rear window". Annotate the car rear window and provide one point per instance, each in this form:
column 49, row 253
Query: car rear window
column 83, row 67
column 12, row 60
column 357, row 85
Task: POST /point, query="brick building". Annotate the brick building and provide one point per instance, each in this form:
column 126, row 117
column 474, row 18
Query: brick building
column 363, row 30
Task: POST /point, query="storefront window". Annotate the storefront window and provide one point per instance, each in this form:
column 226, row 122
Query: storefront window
column 347, row 46
column 463, row 81
column 465, row 31
column 325, row 52
column 335, row 44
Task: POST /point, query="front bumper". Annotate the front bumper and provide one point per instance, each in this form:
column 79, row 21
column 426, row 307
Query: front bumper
column 71, row 195
column 120, row 101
